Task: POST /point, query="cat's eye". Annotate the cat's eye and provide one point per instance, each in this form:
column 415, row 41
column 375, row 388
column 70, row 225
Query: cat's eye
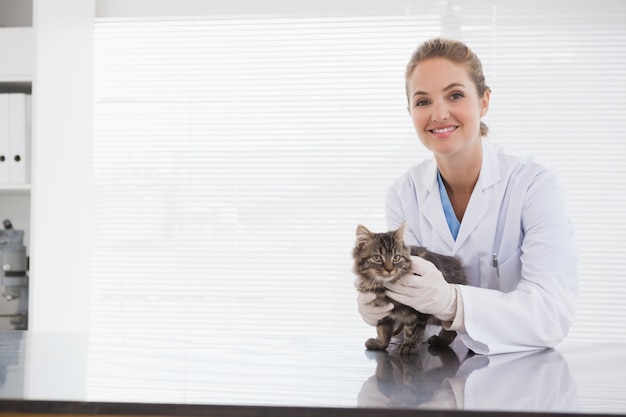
column 397, row 258
column 377, row 258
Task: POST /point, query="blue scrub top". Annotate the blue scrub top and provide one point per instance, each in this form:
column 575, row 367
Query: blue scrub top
column 448, row 211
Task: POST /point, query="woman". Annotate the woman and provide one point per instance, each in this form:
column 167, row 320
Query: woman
column 504, row 216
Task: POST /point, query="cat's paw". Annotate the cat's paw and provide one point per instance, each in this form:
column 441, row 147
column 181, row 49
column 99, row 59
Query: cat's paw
column 375, row 344
column 437, row 341
column 408, row 349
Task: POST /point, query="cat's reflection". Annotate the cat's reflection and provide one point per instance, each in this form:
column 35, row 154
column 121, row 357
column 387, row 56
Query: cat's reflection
column 407, row 381
column 444, row 379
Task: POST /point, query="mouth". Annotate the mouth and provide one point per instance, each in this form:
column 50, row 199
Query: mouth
column 385, row 278
column 443, row 131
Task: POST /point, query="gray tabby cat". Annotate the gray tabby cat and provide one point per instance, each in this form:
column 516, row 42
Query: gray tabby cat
column 381, row 258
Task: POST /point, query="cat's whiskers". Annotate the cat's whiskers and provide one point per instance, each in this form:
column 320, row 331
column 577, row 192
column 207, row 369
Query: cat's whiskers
column 373, row 284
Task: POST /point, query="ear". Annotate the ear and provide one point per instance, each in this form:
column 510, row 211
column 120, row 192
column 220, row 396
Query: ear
column 363, row 236
column 484, row 103
column 400, row 232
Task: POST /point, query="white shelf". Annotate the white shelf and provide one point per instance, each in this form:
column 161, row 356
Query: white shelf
column 13, row 189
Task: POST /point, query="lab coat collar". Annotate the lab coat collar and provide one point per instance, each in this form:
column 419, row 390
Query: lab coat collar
column 477, row 208
column 431, row 207
column 479, row 204
column 490, row 169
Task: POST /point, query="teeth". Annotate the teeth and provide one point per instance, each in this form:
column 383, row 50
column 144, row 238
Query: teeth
column 444, row 130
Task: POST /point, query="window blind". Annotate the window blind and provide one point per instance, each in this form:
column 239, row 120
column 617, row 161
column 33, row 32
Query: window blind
column 235, row 155
column 233, row 160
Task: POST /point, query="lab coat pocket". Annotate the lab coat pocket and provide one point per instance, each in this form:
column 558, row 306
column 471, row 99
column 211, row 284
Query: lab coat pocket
column 505, row 276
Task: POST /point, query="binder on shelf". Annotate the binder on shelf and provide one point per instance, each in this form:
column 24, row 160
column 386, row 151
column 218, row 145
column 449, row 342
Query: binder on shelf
column 19, row 138
column 4, row 139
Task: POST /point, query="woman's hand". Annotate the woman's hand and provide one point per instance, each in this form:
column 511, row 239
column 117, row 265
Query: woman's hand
column 426, row 291
column 369, row 311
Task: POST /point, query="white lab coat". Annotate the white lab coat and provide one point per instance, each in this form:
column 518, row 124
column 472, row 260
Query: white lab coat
column 517, row 211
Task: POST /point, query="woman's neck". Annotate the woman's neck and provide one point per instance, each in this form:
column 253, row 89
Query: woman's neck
column 460, row 172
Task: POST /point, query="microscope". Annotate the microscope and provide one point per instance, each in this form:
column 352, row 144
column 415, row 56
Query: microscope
column 13, row 276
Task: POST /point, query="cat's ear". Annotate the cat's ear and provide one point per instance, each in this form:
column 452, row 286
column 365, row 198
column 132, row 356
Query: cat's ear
column 400, row 232
column 363, row 236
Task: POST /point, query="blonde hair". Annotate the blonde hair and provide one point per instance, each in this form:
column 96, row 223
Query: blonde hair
column 456, row 52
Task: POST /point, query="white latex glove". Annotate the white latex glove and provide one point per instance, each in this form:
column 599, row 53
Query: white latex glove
column 369, row 311
column 426, row 291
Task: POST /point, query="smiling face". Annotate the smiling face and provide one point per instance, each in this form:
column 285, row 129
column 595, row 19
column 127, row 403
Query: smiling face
column 445, row 107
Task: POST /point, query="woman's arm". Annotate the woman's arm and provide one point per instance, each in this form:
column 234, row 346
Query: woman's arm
column 541, row 310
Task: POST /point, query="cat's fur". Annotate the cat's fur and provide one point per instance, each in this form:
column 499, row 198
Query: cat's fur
column 381, row 258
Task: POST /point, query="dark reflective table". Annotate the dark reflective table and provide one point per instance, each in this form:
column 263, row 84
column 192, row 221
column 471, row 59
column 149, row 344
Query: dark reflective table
column 199, row 374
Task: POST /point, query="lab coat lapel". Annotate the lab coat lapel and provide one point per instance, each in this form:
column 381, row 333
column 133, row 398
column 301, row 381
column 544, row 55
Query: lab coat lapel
column 479, row 205
column 476, row 210
column 432, row 209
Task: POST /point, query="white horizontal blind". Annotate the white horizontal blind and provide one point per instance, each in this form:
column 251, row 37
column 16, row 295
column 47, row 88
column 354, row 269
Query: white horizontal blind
column 233, row 160
column 234, row 156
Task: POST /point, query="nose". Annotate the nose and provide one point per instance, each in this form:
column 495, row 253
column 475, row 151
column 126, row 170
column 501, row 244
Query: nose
column 440, row 112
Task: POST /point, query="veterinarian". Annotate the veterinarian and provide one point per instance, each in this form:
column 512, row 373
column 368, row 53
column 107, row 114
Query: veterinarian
column 503, row 216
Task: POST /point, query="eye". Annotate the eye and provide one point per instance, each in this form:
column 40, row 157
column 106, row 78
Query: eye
column 397, row 259
column 421, row 103
column 377, row 258
column 456, row 96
